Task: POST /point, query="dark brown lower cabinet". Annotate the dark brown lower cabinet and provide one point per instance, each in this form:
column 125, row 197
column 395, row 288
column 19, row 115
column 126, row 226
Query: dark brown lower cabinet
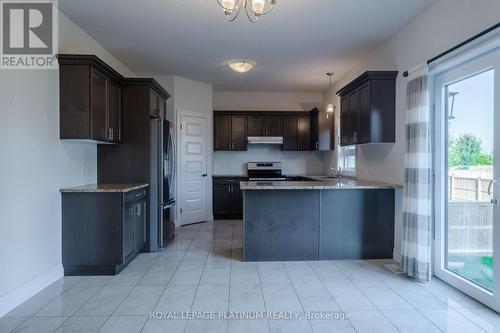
column 102, row 231
column 227, row 198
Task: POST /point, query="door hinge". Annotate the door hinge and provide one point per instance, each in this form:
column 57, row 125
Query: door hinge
column 181, row 210
column 181, row 127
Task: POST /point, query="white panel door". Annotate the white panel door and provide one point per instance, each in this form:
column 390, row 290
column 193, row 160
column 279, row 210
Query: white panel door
column 193, row 172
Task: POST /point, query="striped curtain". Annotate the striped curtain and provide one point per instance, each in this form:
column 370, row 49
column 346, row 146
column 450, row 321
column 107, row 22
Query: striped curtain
column 417, row 203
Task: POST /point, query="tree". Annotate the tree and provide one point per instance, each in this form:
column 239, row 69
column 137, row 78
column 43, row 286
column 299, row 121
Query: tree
column 467, row 150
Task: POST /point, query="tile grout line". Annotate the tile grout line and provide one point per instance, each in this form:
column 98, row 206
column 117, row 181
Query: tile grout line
column 202, row 271
column 323, row 284
column 263, row 298
column 297, row 295
column 415, row 308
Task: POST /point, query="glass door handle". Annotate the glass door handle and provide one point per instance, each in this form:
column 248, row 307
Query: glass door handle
column 493, row 181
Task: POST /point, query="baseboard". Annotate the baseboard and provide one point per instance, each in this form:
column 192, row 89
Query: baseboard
column 16, row 297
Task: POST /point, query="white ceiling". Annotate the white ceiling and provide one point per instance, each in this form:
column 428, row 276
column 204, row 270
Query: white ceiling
column 293, row 46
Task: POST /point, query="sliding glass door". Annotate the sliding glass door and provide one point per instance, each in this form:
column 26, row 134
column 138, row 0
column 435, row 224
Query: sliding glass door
column 467, row 150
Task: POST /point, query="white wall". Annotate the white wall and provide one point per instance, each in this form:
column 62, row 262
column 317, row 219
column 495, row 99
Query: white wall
column 35, row 164
column 267, row 101
column 440, row 26
column 294, row 163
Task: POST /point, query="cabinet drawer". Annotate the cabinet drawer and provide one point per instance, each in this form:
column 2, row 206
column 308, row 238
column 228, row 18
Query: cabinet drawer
column 136, row 195
column 229, row 180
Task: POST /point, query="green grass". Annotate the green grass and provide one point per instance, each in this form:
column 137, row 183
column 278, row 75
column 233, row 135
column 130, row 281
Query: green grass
column 476, row 268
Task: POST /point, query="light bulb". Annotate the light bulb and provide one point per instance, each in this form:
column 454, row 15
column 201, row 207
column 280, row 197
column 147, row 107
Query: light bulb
column 329, row 108
column 258, row 6
column 228, row 4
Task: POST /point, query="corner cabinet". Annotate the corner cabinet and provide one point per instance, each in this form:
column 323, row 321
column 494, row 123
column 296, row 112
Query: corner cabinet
column 90, row 99
column 102, row 231
column 368, row 109
column 227, row 198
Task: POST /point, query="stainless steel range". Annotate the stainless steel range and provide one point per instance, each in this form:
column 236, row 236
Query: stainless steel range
column 261, row 171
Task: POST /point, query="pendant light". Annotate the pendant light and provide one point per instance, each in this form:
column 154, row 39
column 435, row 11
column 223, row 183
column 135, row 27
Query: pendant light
column 329, row 107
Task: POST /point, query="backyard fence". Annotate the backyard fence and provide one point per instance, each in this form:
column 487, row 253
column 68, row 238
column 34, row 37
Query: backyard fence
column 468, row 189
column 470, row 227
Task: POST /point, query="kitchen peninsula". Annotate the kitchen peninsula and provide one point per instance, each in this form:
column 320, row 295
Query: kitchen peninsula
column 318, row 219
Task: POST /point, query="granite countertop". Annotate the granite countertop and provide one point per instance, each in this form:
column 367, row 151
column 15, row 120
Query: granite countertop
column 96, row 188
column 317, row 183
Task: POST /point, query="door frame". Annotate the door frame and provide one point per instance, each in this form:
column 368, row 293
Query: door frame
column 467, row 68
column 208, row 131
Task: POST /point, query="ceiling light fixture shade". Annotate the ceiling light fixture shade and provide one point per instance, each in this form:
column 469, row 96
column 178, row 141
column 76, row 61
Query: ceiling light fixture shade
column 254, row 8
column 329, row 107
column 241, row 66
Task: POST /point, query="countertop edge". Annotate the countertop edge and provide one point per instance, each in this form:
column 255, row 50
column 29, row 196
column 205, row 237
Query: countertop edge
column 93, row 188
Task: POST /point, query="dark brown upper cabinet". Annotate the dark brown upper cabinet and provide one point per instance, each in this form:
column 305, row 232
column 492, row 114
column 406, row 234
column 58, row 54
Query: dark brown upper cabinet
column 230, row 132
column 239, row 133
column 322, row 130
column 297, row 132
column 302, row 131
column 157, row 105
column 290, row 125
column 256, row 125
column 130, row 161
column 90, row 99
column 368, row 109
column 264, row 125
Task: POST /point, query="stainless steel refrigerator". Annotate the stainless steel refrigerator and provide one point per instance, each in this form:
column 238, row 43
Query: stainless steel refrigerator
column 162, row 184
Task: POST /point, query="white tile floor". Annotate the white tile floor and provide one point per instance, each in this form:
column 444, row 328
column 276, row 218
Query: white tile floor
column 202, row 271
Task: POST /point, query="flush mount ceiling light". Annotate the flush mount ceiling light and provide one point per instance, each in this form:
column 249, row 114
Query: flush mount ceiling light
column 254, row 8
column 241, row 66
column 329, row 107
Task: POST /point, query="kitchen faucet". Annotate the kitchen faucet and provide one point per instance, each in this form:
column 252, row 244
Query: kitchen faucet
column 337, row 171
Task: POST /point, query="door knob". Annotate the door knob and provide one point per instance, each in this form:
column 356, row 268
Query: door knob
column 204, row 175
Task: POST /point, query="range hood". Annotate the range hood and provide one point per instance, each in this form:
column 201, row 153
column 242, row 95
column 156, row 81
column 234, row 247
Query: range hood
column 267, row 140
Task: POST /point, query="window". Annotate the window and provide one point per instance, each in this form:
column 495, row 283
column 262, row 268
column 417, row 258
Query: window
column 347, row 160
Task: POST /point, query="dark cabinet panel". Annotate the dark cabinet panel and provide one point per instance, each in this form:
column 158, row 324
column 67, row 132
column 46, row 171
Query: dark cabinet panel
column 222, row 199
column 139, row 226
column 344, row 121
column 273, row 126
column 227, row 198
column 114, row 111
column 74, row 102
column 368, row 109
column 102, row 232
column 304, row 133
column 236, row 199
column 153, row 105
column 364, row 108
column 353, row 117
column 238, row 133
column 90, row 99
column 128, row 232
column 222, row 132
column 256, row 125
column 98, row 105
column 322, row 130
column 290, row 132
column 156, row 105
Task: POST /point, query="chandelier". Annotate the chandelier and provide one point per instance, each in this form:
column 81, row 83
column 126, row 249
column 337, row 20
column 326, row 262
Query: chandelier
column 254, row 8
